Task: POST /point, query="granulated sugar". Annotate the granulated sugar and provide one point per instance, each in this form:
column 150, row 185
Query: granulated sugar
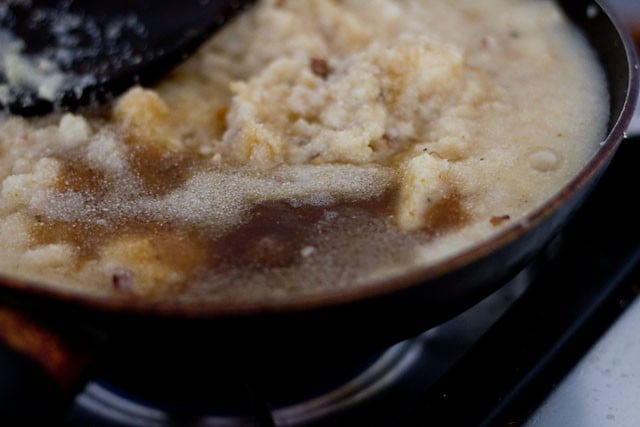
column 308, row 145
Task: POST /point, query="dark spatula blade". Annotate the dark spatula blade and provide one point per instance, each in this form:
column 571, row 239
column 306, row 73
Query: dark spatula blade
column 88, row 51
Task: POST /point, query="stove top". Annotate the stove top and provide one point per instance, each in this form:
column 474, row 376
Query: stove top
column 573, row 301
column 557, row 346
column 380, row 386
column 492, row 365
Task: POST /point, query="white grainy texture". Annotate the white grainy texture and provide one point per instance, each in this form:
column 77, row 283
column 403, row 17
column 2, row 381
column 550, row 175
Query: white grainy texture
column 307, row 145
column 422, row 187
column 19, row 190
column 74, row 130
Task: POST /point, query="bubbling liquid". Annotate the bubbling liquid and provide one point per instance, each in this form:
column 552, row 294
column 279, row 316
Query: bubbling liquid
column 307, row 146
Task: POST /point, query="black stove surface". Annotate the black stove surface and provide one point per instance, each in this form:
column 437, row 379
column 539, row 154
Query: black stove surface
column 502, row 379
column 492, row 365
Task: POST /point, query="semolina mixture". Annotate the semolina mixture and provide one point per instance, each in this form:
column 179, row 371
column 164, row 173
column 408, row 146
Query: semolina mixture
column 310, row 144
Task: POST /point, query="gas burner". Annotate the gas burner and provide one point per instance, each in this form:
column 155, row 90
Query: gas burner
column 110, row 406
column 379, row 384
column 498, row 359
column 106, row 405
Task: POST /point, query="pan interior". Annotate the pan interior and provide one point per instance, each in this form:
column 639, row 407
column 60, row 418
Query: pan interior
column 139, row 210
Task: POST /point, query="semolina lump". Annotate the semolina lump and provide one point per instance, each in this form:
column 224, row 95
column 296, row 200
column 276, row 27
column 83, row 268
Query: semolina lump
column 309, row 145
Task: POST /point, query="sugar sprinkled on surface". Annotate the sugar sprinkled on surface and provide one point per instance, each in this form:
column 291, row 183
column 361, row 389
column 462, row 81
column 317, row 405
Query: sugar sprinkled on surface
column 219, row 199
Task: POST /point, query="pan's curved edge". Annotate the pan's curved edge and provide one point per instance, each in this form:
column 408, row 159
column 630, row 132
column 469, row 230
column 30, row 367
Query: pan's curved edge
column 544, row 221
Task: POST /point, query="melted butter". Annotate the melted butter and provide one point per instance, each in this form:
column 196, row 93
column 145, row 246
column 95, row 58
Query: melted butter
column 135, row 220
column 161, row 171
column 79, row 177
column 274, row 235
column 446, row 214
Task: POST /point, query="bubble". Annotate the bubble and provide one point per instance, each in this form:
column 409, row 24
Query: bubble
column 545, row 160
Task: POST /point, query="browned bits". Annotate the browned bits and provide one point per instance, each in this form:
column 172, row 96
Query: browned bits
column 320, row 67
column 496, row 221
column 123, row 281
column 435, row 154
column 221, row 116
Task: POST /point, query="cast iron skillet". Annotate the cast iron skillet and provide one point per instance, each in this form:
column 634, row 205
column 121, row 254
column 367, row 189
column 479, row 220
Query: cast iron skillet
column 61, row 331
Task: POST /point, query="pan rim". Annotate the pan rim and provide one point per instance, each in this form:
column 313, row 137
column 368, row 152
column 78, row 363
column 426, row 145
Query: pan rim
column 332, row 297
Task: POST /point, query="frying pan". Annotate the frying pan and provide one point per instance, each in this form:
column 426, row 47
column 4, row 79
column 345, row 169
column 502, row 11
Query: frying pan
column 58, row 335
